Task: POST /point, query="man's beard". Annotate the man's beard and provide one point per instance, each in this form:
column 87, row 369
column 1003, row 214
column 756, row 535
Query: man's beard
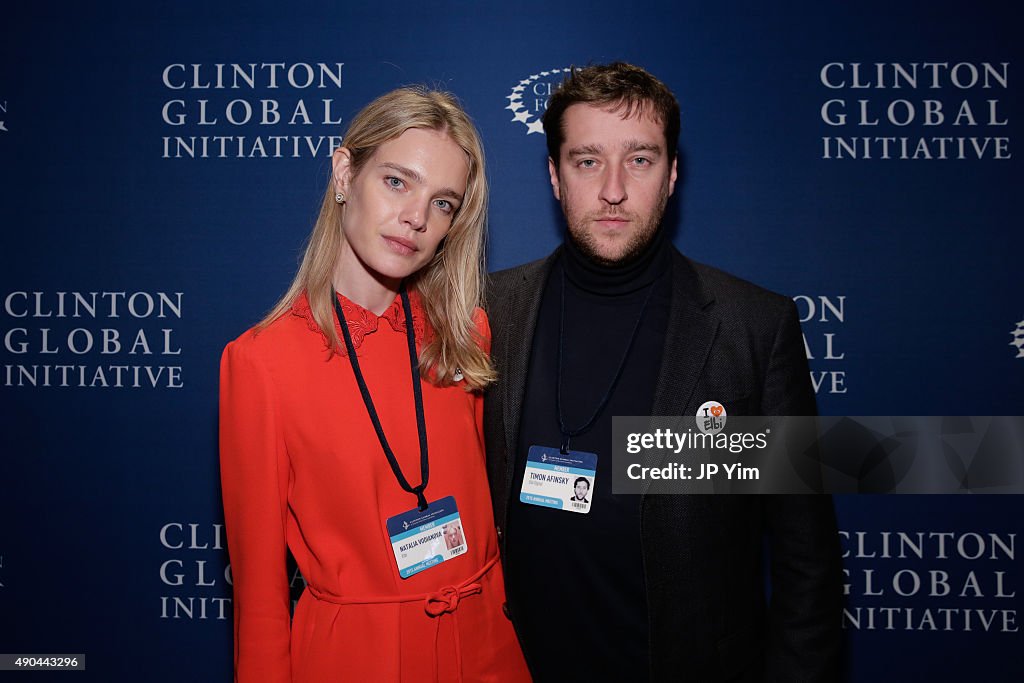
column 588, row 244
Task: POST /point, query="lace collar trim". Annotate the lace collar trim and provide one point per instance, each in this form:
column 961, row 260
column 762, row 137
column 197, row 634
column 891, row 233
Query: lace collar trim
column 362, row 322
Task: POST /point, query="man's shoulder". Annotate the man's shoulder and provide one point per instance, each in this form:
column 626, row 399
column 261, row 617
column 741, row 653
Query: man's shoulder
column 520, row 272
column 501, row 282
column 730, row 292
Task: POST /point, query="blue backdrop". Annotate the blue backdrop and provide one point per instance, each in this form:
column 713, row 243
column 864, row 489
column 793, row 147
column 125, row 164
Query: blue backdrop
column 162, row 164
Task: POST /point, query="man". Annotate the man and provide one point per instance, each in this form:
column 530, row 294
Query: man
column 618, row 322
column 581, row 487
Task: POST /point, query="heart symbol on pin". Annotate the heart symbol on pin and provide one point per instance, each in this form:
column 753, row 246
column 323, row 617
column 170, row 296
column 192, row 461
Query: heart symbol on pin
column 716, row 410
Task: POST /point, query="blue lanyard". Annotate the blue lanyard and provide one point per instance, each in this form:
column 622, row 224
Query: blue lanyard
column 417, row 393
column 567, row 433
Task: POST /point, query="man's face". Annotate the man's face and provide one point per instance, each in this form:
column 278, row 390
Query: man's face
column 581, row 490
column 613, row 180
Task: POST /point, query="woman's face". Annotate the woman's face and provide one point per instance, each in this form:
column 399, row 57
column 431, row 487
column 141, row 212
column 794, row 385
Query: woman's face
column 400, row 205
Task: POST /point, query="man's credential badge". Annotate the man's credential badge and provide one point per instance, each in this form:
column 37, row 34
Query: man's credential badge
column 711, row 417
column 558, row 480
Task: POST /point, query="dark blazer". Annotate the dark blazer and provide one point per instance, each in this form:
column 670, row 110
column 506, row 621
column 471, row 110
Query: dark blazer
column 730, row 341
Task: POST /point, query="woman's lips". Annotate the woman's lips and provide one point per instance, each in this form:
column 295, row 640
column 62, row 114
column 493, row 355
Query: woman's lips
column 401, row 245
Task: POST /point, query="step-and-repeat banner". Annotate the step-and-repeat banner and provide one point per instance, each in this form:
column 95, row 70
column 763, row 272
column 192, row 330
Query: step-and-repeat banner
column 162, row 164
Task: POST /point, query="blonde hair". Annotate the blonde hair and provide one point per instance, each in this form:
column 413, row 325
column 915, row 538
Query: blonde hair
column 451, row 284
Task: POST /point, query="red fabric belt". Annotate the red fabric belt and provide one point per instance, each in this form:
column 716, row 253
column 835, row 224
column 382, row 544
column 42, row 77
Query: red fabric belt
column 436, row 604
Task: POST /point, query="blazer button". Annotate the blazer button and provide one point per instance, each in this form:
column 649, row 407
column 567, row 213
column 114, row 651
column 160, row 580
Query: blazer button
column 500, row 534
column 504, row 610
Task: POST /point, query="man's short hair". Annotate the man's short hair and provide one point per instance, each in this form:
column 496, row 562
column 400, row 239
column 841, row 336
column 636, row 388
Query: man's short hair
column 620, row 87
column 584, row 480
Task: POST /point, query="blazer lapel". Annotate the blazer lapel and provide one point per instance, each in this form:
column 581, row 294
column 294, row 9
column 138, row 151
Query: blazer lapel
column 523, row 307
column 691, row 331
column 688, row 339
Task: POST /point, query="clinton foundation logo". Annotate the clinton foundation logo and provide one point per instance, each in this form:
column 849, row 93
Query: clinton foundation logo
column 250, row 111
column 1018, row 339
column 918, row 111
column 529, row 98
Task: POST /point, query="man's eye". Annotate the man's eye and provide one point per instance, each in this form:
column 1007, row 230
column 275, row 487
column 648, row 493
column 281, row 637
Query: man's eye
column 588, row 163
column 394, row 182
column 641, row 161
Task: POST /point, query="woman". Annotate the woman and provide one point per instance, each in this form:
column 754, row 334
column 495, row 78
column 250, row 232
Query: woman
column 333, row 446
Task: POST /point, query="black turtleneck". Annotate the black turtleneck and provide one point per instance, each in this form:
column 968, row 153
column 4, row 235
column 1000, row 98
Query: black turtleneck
column 612, row 280
column 575, row 581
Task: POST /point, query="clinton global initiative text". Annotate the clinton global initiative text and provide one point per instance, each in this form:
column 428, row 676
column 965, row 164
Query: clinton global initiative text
column 93, row 376
column 919, row 148
column 243, row 147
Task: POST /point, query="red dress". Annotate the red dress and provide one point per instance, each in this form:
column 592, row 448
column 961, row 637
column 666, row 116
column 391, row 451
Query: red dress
column 301, row 467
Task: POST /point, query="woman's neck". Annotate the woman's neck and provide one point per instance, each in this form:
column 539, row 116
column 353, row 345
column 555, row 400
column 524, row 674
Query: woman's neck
column 361, row 286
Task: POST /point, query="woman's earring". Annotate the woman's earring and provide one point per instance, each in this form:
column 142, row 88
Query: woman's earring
column 340, row 198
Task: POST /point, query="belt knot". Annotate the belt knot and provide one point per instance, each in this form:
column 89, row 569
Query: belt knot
column 447, row 599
